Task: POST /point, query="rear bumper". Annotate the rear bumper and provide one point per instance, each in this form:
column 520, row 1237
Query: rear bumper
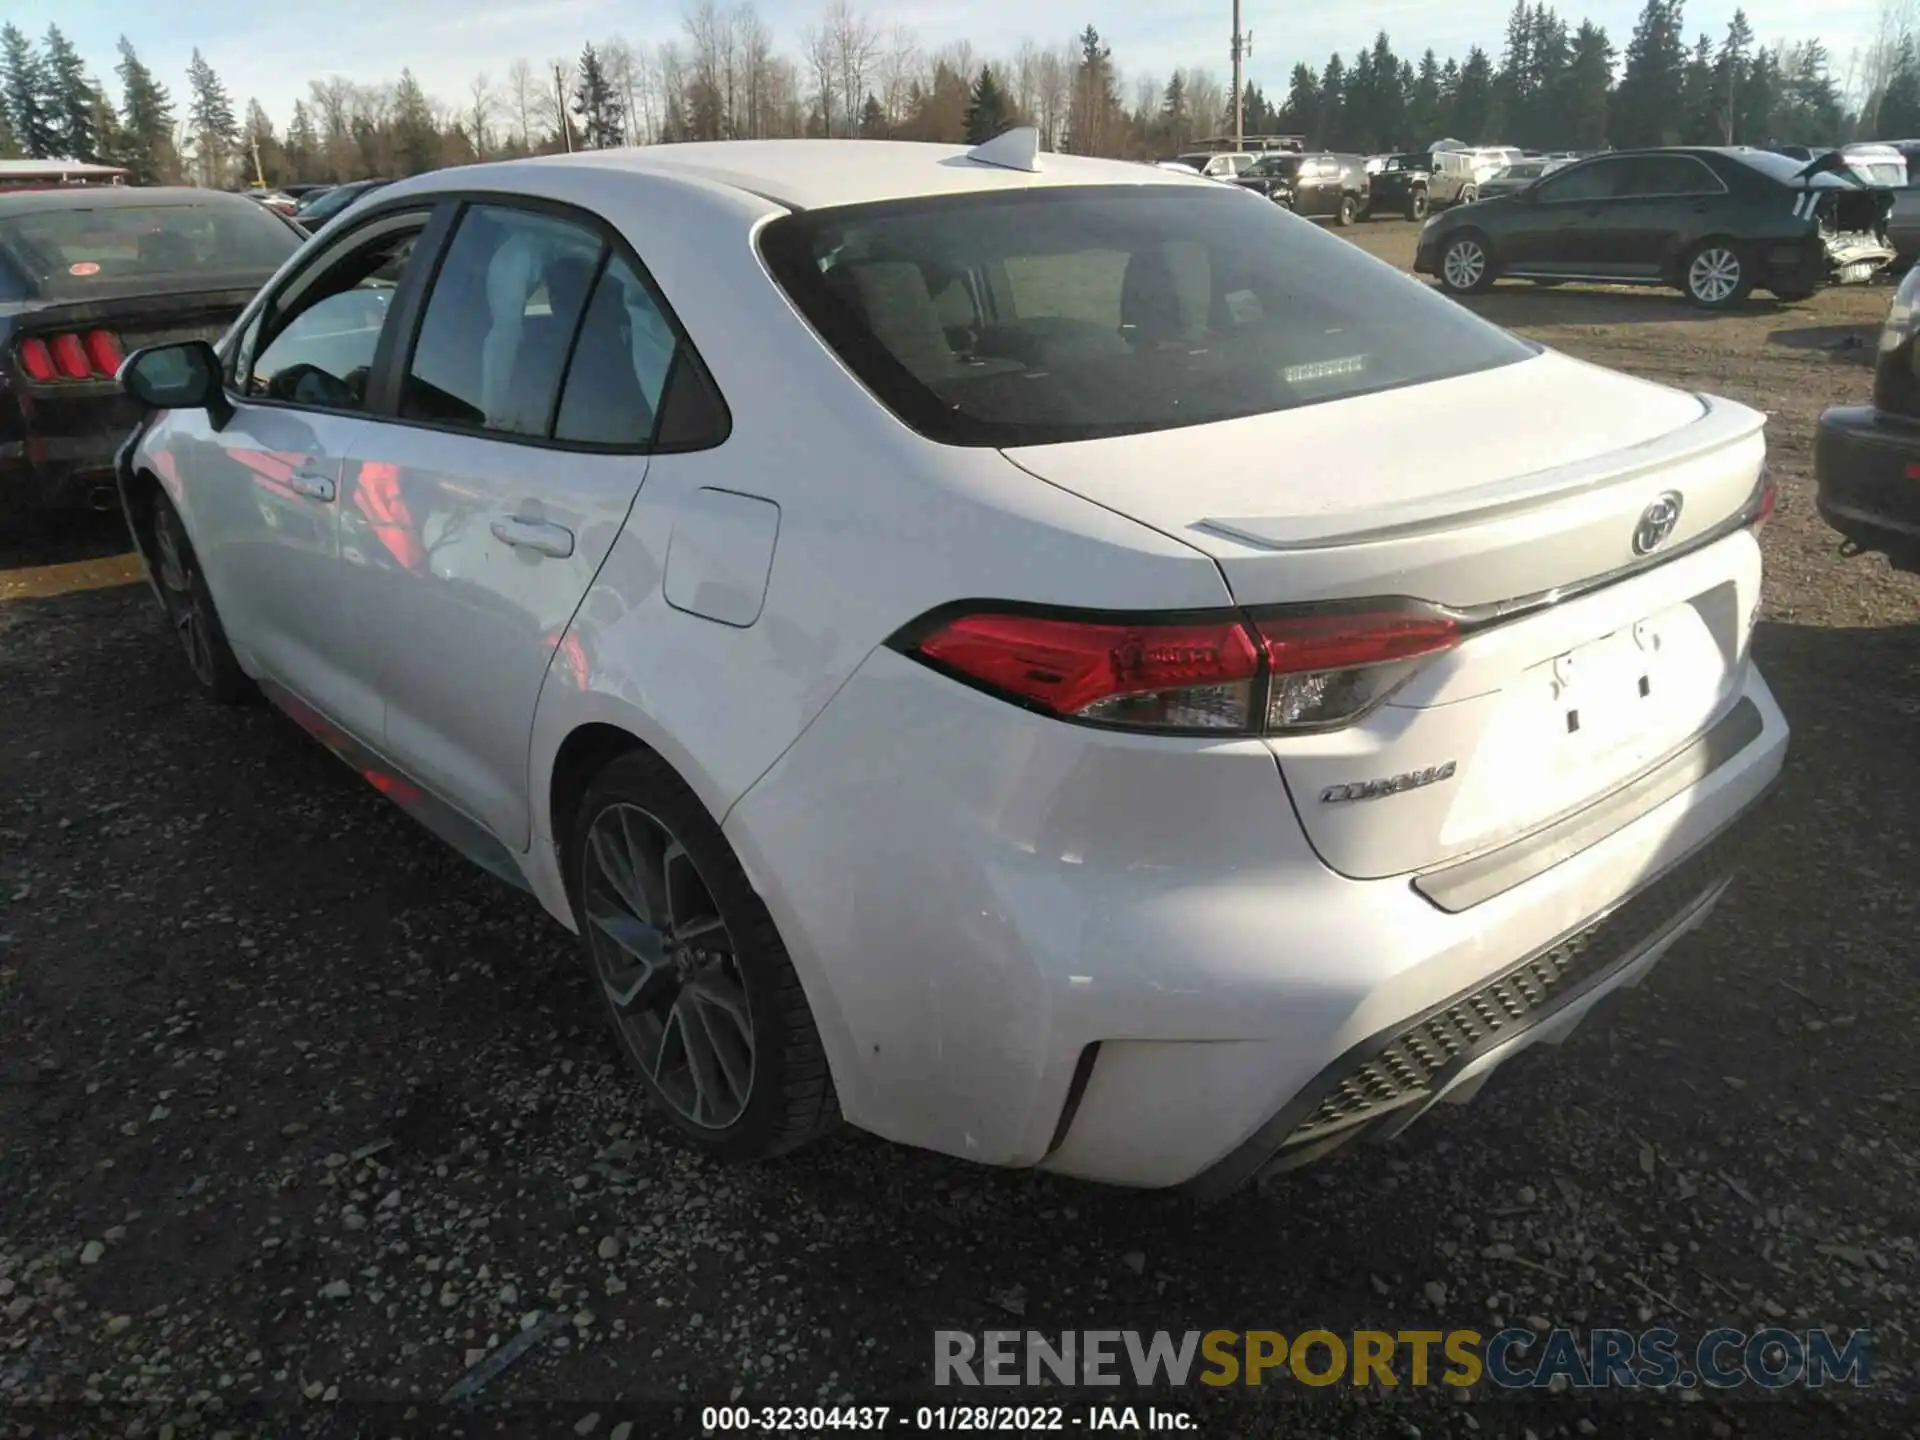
column 66, row 454
column 1116, row 957
column 1867, row 467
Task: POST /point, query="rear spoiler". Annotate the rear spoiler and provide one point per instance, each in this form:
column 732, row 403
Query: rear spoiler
column 125, row 308
column 1722, row 423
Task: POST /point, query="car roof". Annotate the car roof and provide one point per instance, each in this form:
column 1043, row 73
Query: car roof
column 110, row 197
column 814, row 174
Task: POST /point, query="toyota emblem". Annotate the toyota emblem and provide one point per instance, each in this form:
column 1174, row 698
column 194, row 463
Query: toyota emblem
column 1657, row 523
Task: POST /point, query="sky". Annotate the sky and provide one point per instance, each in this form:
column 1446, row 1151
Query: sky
column 270, row 51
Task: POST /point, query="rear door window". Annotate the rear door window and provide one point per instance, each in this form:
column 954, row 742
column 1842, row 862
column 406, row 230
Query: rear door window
column 1595, row 180
column 500, row 321
column 1112, row 310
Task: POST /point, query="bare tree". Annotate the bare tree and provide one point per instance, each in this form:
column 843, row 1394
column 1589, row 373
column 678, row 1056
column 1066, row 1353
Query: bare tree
column 823, row 64
column 477, row 119
column 756, row 70
column 1055, row 93
column 523, row 93
column 616, row 62
column 1870, row 70
column 855, row 44
column 703, row 24
column 1026, row 80
column 899, row 68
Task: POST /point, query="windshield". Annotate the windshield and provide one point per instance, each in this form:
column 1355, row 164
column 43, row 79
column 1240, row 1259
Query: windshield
column 1407, row 162
column 80, row 247
column 1276, row 165
column 1072, row 312
column 1520, row 172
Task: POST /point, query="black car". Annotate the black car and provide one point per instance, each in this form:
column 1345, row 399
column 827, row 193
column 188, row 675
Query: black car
column 1271, row 176
column 1715, row 223
column 1399, row 187
column 87, row 275
column 1866, row 458
column 1321, row 183
column 328, row 203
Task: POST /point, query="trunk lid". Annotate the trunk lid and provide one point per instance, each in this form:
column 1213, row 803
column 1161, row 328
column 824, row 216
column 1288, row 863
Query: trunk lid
column 1491, row 494
column 136, row 318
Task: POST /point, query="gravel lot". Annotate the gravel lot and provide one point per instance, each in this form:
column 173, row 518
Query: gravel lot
column 297, row 1113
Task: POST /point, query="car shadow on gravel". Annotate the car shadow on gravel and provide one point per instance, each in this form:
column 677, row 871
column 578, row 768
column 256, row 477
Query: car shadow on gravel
column 1516, row 302
column 1852, row 343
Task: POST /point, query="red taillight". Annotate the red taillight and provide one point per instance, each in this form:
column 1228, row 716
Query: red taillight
column 1329, row 669
column 1162, row 677
column 70, row 357
column 92, row 355
column 103, row 352
column 37, row 361
column 1760, row 509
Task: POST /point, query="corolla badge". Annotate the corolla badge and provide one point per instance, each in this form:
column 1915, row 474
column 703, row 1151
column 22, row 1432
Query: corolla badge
column 1389, row 785
column 1657, row 523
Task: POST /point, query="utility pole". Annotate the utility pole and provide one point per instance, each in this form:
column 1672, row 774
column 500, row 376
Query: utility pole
column 258, row 174
column 1240, row 48
column 560, row 100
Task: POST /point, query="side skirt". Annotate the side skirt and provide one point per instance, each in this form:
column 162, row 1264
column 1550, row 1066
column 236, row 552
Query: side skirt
column 458, row 830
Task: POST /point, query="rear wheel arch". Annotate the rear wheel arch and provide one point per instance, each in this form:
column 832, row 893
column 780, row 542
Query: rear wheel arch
column 143, row 489
column 587, row 750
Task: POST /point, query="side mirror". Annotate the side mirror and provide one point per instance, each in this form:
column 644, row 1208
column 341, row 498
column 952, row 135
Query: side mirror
column 183, row 376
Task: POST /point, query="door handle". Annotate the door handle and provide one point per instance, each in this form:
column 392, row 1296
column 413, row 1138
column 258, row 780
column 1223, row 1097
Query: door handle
column 314, row 487
column 541, row 536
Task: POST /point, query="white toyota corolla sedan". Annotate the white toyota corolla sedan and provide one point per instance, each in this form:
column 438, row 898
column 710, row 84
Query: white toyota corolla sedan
column 1029, row 655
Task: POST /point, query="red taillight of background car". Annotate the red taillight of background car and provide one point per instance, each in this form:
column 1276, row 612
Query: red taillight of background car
column 103, row 352
column 1317, row 670
column 72, row 355
column 37, row 361
column 1766, row 498
column 1178, row 676
column 1330, row 668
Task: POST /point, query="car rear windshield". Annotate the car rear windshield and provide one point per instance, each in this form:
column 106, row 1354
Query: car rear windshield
column 1069, row 313
column 77, row 248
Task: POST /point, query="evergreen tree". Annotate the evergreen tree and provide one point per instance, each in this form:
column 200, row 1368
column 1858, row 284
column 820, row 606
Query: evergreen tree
column 1697, row 93
column 146, row 116
column 1587, row 89
column 1475, row 105
column 1731, row 77
column 1516, row 84
column 1300, row 114
column 1544, row 121
column 1176, row 123
column 1094, row 118
column 215, row 127
column 416, row 140
column 1759, row 100
column 1898, row 114
column 24, row 79
column 71, row 100
column 302, row 145
column 873, row 119
column 987, row 110
column 1329, row 124
column 9, row 147
column 1423, row 104
column 594, row 103
column 1650, row 107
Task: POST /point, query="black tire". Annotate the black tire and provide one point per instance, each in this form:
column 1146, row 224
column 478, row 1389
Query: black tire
column 1460, row 272
column 1716, row 274
column 190, row 610
column 1416, row 206
column 788, row 1095
column 1343, row 213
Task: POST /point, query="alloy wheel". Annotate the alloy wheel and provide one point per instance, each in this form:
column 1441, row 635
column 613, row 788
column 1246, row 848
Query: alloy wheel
column 1464, row 264
column 666, row 960
column 1714, row 275
column 184, row 609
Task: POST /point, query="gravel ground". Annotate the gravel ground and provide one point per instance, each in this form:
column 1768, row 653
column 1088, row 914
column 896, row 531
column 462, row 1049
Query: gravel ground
column 300, row 1118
